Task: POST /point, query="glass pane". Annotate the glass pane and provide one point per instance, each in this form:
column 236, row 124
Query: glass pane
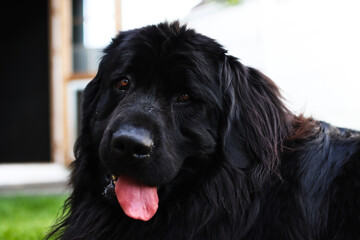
column 93, row 27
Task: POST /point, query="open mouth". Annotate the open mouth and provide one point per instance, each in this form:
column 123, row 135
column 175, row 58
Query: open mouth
column 137, row 200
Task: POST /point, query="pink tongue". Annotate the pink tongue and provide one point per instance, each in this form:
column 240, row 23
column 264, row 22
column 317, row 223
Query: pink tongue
column 137, row 200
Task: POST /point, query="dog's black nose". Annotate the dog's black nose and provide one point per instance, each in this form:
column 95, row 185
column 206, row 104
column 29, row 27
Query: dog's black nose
column 132, row 142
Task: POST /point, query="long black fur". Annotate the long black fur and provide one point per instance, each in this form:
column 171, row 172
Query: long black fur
column 231, row 163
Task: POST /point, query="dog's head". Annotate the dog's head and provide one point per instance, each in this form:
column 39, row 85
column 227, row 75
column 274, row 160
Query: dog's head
column 167, row 101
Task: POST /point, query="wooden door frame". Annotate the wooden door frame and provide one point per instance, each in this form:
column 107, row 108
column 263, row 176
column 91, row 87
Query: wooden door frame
column 60, row 19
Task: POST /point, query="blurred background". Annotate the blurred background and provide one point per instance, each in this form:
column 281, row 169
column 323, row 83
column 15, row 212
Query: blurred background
column 51, row 49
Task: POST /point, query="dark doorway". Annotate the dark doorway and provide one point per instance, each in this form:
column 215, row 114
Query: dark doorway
column 24, row 82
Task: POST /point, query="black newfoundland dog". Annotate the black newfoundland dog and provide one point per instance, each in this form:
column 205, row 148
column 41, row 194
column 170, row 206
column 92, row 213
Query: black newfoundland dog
column 181, row 141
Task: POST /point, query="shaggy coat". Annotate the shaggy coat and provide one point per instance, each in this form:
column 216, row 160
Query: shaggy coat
column 227, row 158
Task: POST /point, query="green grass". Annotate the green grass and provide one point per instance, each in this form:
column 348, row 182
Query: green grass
column 28, row 217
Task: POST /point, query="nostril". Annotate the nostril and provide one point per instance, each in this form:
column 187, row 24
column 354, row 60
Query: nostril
column 141, row 151
column 119, row 145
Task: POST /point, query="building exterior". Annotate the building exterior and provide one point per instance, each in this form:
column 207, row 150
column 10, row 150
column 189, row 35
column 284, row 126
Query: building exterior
column 52, row 49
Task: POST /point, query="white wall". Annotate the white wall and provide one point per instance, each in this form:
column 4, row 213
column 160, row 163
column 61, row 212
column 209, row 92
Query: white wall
column 139, row 13
column 310, row 48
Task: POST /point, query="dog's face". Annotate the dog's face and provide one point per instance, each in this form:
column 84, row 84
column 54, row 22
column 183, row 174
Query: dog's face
column 158, row 103
column 168, row 105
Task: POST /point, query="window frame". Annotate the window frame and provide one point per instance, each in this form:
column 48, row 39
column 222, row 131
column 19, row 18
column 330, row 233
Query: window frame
column 62, row 76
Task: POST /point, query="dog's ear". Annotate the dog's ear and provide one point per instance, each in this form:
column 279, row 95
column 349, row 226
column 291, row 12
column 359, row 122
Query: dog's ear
column 85, row 153
column 90, row 96
column 256, row 118
column 92, row 90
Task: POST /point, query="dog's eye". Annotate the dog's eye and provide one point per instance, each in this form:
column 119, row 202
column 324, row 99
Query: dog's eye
column 184, row 98
column 123, row 84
